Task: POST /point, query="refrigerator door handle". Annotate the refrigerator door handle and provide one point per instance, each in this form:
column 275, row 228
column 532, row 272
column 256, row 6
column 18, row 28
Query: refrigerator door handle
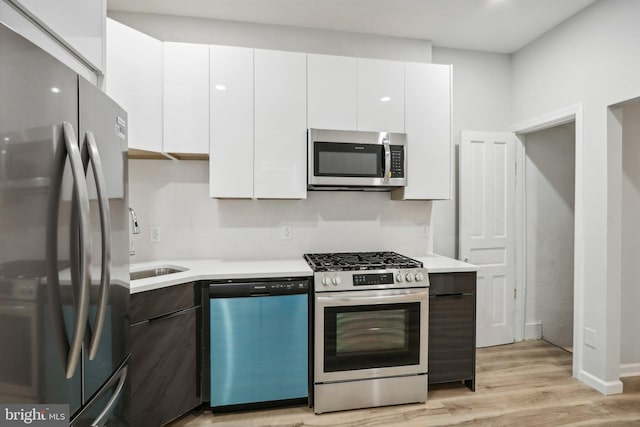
column 104, row 415
column 90, row 152
column 70, row 352
column 82, row 195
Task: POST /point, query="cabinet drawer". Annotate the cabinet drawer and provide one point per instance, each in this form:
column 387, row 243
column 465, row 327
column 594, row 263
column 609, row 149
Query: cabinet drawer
column 164, row 369
column 452, row 283
column 150, row 304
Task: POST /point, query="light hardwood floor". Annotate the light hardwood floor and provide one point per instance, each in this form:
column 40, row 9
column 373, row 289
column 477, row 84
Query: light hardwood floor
column 522, row 384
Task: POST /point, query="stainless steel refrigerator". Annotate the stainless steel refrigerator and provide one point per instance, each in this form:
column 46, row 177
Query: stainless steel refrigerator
column 64, row 233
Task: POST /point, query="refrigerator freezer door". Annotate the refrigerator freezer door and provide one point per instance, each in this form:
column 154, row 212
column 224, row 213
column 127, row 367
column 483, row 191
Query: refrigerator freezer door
column 103, row 126
column 37, row 94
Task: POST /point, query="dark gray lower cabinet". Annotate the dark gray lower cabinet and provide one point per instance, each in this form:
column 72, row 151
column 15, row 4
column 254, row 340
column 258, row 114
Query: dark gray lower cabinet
column 165, row 371
column 452, row 328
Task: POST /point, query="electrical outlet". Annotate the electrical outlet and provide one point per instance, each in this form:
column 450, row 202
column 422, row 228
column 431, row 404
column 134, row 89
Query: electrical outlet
column 155, row 235
column 424, row 230
column 286, row 232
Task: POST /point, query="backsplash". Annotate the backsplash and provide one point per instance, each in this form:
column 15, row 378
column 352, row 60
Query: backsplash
column 173, row 195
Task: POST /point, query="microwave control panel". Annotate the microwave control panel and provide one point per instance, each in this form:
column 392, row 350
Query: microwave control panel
column 397, row 161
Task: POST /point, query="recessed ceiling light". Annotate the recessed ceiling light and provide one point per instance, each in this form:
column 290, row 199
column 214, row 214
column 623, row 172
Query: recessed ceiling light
column 55, row 90
column 7, row 139
column 220, row 87
column 385, row 99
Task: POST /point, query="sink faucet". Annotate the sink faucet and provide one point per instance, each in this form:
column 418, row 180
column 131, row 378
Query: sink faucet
column 135, row 229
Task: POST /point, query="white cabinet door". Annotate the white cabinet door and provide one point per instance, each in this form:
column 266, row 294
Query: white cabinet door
column 186, row 98
column 80, row 23
column 134, row 80
column 331, row 92
column 231, row 155
column 428, row 128
column 84, row 31
column 280, row 143
column 380, row 95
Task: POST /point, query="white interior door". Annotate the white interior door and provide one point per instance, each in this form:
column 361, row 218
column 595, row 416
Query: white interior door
column 487, row 229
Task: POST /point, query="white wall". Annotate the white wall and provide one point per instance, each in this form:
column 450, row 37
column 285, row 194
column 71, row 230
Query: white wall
column 550, row 184
column 263, row 36
column 481, row 102
column 173, row 195
column 630, row 351
column 590, row 59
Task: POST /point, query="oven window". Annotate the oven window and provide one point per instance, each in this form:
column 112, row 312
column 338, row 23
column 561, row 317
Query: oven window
column 371, row 336
column 348, row 160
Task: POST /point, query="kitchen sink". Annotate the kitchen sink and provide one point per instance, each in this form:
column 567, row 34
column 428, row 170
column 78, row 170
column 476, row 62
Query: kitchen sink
column 155, row 272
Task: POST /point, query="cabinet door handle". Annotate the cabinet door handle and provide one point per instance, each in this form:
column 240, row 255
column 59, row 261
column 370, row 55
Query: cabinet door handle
column 452, row 295
column 169, row 315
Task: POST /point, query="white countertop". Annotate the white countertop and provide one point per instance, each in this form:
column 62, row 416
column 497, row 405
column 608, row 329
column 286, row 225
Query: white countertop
column 216, row 269
column 441, row 264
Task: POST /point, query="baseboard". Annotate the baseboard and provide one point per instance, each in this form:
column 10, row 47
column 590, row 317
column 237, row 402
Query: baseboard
column 630, row 370
column 604, row 387
column 533, row 331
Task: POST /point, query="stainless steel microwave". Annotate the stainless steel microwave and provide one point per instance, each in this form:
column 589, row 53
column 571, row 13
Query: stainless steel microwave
column 356, row 160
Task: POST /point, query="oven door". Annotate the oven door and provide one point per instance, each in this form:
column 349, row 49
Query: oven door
column 370, row 334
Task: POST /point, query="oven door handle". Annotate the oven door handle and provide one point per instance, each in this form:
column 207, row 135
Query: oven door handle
column 336, row 299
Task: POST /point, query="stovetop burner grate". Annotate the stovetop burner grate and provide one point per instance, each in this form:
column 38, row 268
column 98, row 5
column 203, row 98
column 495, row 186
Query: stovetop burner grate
column 343, row 261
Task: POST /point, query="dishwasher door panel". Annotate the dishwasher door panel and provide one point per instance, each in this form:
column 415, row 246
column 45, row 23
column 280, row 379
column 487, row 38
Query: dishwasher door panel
column 259, row 349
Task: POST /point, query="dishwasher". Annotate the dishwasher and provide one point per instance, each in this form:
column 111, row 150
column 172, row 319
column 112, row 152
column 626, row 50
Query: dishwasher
column 256, row 343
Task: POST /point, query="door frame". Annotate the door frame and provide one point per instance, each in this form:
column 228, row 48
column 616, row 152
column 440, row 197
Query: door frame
column 555, row 118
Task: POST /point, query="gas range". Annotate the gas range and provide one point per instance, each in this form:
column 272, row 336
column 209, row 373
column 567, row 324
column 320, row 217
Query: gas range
column 345, row 271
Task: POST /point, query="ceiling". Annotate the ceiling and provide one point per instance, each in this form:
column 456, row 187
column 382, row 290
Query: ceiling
column 502, row 26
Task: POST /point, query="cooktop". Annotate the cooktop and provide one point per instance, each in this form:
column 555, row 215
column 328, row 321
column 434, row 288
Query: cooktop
column 345, row 261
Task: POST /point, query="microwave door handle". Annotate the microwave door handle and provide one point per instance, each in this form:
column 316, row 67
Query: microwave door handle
column 82, row 302
column 387, row 159
column 90, row 152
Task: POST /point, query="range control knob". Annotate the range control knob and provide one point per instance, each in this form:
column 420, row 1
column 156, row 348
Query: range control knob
column 409, row 277
column 399, row 277
column 336, row 281
column 419, row 277
column 326, row 281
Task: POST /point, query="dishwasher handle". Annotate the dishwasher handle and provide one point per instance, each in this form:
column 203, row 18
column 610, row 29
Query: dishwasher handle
column 259, row 288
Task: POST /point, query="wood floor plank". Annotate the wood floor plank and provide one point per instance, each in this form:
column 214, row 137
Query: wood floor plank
column 522, row 384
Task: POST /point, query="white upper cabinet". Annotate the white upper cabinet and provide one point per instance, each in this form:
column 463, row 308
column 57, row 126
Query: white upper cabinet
column 231, row 121
column 134, row 80
column 78, row 24
column 332, row 92
column 280, row 108
column 428, row 128
column 380, row 95
column 186, row 98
